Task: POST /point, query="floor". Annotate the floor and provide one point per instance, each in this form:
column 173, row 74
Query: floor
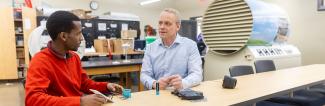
column 12, row 94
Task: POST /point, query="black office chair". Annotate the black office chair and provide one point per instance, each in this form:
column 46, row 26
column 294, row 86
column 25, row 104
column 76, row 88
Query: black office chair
column 240, row 70
column 264, row 66
column 105, row 78
column 301, row 97
column 318, row 88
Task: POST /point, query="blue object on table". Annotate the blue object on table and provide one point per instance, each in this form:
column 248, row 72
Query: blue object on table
column 127, row 93
column 157, row 88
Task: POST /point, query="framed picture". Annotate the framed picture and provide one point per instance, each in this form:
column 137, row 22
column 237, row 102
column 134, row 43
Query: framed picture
column 321, row 5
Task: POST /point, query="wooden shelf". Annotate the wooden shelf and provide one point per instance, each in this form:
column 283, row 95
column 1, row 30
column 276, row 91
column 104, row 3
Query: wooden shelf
column 19, row 33
column 18, row 20
column 21, row 66
column 19, row 46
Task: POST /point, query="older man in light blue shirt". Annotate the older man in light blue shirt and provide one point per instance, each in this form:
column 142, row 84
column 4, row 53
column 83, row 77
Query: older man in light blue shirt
column 171, row 60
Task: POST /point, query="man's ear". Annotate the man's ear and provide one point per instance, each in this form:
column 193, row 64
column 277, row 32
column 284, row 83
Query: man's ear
column 63, row 36
column 178, row 25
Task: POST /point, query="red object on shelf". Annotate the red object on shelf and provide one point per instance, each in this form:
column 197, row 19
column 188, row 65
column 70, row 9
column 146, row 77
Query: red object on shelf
column 28, row 3
column 17, row 9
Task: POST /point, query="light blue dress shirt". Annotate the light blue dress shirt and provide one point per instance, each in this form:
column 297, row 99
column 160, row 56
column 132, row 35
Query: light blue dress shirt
column 181, row 58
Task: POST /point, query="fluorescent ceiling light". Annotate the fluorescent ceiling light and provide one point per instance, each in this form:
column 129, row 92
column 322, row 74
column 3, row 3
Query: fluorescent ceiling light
column 148, row 2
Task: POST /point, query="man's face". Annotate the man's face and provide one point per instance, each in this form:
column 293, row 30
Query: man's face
column 75, row 37
column 168, row 25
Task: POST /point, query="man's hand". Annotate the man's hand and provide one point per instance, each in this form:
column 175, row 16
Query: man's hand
column 176, row 81
column 92, row 100
column 115, row 88
column 163, row 83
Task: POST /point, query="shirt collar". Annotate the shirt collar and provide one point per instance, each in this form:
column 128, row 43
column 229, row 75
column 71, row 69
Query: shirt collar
column 176, row 41
column 57, row 54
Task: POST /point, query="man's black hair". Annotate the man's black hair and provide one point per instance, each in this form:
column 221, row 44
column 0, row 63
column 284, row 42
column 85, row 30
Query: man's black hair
column 60, row 21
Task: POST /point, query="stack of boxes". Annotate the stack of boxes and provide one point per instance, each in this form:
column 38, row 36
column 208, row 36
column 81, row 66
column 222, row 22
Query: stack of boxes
column 115, row 45
column 103, row 45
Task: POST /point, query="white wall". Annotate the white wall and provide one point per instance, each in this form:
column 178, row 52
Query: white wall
column 5, row 3
column 196, row 9
column 147, row 14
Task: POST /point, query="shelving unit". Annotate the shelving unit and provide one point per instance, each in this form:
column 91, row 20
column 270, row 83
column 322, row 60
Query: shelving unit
column 15, row 28
column 18, row 24
column 8, row 66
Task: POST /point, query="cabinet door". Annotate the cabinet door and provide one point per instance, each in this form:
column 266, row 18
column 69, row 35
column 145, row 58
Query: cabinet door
column 29, row 23
column 8, row 61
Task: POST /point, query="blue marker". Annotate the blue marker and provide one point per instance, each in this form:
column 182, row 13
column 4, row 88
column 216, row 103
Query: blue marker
column 157, row 88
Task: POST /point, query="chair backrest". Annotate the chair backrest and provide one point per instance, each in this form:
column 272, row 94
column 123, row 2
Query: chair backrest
column 264, row 66
column 240, row 70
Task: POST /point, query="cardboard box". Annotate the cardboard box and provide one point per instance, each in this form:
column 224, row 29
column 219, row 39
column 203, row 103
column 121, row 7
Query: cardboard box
column 117, row 46
column 20, row 53
column 82, row 14
column 131, row 44
column 128, row 34
column 118, row 49
column 103, row 45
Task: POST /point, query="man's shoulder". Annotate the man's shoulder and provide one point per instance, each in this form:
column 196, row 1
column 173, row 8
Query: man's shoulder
column 187, row 40
column 41, row 59
column 154, row 44
column 43, row 54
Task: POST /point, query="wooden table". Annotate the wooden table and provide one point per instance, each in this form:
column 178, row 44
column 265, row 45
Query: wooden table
column 118, row 66
column 249, row 89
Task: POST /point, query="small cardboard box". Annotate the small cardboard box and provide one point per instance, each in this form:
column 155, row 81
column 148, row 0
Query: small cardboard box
column 103, row 45
column 82, row 14
column 118, row 49
column 131, row 44
column 20, row 53
column 117, row 43
column 128, row 34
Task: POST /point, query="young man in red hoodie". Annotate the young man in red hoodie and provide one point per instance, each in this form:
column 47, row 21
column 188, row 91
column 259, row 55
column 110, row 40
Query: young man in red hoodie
column 55, row 76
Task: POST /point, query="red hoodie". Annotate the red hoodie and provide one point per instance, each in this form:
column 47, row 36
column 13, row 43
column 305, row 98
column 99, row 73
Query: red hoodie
column 55, row 81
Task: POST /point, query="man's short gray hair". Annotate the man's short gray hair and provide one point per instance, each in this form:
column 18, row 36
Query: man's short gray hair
column 175, row 12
